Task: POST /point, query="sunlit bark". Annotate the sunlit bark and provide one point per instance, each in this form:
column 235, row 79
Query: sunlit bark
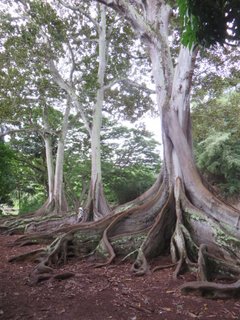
column 97, row 202
column 58, row 193
column 56, row 202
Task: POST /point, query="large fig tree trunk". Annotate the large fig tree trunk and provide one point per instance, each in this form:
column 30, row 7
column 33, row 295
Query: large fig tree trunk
column 178, row 214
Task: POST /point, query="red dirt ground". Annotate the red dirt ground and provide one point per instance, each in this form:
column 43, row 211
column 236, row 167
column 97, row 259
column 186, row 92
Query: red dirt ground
column 100, row 294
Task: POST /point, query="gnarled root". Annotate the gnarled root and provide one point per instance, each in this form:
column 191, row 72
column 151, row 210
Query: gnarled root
column 33, row 239
column 157, row 238
column 57, row 254
column 36, row 224
column 32, row 256
column 43, row 237
column 178, row 247
column 118, row 234
column 51, row 223
column 140, row 266
column 216, row 248
column 212, row 290
column 202, row 263
column 162, row 267
column 107, row 248
column 167, row 221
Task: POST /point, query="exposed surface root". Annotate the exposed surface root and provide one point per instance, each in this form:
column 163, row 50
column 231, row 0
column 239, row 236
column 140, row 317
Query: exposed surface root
column 167, row 221
column 179, row 251
column 39, row 277
column 33, row 280
column 119, row 234
column 212, row 290
column 157, row 238
column 51, row 223
column 134, row 252
column 55, row 255
column 106, row 247
column 217, row 252
column 162, row 267
column 64, row 275
column 32, row 255
column 43, row 237
column 202, row 263
column 34, row 224
column 34, row 239
column 140, row 266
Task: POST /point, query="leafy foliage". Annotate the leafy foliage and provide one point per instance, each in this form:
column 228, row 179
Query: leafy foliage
column 130, row 161
column 32, row 199
column 219, row 156
column 220, row 114
column 7, row 173
column 217, row 142
column 125, row 184
column 208, row 22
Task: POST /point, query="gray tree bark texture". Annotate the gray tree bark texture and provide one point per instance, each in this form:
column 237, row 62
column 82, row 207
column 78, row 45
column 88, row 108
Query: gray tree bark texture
column 56, row 203
column 97, row 206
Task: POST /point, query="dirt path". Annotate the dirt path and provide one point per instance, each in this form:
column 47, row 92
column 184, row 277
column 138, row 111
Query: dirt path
column 101, row 294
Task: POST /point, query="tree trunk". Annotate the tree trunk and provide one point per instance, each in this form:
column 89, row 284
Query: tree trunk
column 56, row 203
column 97, row 206
column 59, row 194
column 47, row 206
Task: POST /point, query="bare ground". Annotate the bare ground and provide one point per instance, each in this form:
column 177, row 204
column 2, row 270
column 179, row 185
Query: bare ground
column 100, row 293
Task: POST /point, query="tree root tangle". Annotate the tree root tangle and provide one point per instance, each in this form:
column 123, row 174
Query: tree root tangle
column 166, row 222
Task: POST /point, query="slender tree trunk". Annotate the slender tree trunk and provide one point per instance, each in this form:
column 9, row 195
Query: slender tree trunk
column 48, row 205
column 56, row 202
column 97, row 206
column 49, row 157
column 50, row 167
column 59, row 193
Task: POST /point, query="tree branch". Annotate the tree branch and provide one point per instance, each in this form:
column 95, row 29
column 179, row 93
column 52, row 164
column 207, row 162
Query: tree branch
column 126, row 9
column 30, row 164
column 138, row 86
column 129, row 82
column 73, row 68
column 12, row 131
column 79, row 8
column 70, row 91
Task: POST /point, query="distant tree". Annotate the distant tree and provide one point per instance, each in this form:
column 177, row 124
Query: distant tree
column 130, row 159
column 29, row 91
column 103, row 37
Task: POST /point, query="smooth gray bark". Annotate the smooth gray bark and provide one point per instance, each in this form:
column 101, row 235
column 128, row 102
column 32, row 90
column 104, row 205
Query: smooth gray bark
column 100, row 206
column 49, row 156
column 59, row 194
column 96, row 206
